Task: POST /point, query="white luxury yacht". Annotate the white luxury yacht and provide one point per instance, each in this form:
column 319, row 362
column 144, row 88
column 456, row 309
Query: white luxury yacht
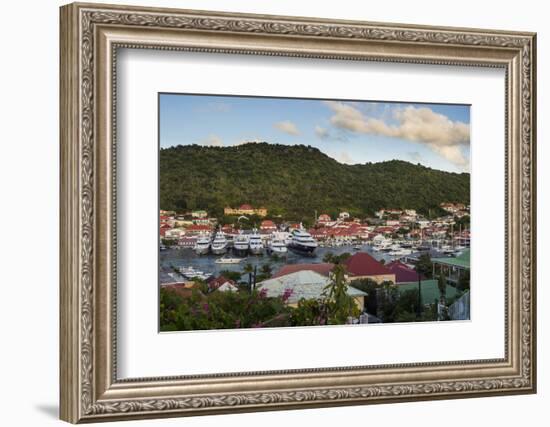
column 219, row 244
column 255, row 243
column 277, row 245
column 202, row 245
column 240, row 245
column 302, row 241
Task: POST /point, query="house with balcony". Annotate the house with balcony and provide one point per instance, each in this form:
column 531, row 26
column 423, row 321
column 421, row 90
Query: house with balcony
column 452, row 268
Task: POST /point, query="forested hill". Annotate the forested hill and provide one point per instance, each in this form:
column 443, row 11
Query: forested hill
column 297, row 180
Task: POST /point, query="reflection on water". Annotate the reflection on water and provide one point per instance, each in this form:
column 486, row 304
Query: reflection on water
column 186, row 257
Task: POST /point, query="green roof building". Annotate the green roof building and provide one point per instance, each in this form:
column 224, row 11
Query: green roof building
column 428, row 290
column 453, row 268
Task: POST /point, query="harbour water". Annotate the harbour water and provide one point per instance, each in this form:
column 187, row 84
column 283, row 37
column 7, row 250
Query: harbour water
column 171, row 259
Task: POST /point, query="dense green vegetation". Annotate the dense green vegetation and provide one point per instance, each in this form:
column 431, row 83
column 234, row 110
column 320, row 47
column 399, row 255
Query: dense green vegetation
column 250, row 308
column 221, row 310
column 205, row 308
column 294, row 181
column 388, row 304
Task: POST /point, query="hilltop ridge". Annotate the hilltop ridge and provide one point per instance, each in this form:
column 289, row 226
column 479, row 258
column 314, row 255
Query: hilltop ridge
column 294, row 181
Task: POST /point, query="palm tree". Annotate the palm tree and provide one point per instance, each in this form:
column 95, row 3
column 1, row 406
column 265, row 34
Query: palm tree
column 442, row 285
column 338, row 306
column 266, row 269
column 248, row 269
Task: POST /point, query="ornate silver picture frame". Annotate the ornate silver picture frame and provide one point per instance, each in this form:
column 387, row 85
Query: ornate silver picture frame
column 91, row 34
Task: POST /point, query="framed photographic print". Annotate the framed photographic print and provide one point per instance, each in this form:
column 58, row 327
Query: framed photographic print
column 266, row 212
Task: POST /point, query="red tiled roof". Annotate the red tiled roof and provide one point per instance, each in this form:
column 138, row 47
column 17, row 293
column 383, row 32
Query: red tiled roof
column 198, row 227
column 363, row 264
column 267, row 223
column 321, row 268
column 218, row 281
column 344, row 232
column 402, row 272
column 245, row 207
column 179, row 289
column 319, row 232
column 386, row 229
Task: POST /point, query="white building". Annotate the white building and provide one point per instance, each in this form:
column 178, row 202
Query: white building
column 305, row 284
column 423, row 223
column 174, row 233
column 343, row 215
column 199, row 214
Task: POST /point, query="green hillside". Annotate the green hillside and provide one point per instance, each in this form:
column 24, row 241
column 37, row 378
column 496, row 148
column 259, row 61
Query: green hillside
column 294, row 181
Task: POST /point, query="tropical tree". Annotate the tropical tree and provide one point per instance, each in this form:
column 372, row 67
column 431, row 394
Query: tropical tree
column 464, row 281
column 309, row 312
column 169, row 242
column 368, row 286
column 249, row 269
column 463, row 222
column 328, row 257
column 387, row 295
column 424, row 266
column 338, row 305
column 231, row 275
column 221, row 310
column 267, row 269
column 407, row 305
column 442, row 285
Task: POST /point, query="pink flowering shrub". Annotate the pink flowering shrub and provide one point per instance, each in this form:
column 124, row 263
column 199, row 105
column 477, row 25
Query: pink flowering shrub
column 287, row 294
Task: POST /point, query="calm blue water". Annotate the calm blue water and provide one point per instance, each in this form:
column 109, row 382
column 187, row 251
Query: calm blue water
column 186, row 257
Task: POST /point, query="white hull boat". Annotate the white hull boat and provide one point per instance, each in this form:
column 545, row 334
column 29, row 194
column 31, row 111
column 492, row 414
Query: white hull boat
column 219, row 244
column 277, row 247
column 228, row 260
column 202, row 246
column 255, row 244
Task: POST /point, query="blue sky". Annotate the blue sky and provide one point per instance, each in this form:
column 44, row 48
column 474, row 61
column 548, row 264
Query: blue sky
column 435, row 135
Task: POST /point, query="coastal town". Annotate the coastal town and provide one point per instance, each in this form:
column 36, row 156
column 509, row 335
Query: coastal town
column 394, row 266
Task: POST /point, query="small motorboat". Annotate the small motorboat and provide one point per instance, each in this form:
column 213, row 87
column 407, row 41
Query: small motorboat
column 228, row 260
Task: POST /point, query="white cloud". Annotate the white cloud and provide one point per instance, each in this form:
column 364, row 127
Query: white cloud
column 327, row 134
column 287, row 126
column 212, row 141
column 345, row 158
column 321, row 132
column 341, row 157
column 422, row 125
